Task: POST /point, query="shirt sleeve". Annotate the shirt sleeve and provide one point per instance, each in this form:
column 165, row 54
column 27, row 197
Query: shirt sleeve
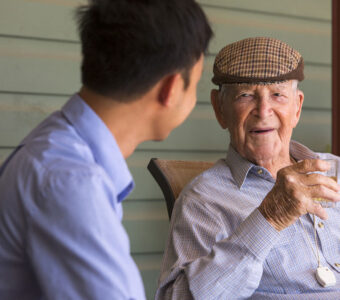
column 203, row 261
column 76, row 243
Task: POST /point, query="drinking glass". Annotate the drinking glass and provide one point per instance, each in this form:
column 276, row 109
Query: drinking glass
column 332, row 173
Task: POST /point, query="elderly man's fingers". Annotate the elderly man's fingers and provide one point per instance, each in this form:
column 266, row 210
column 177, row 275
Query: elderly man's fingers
column 319, row 179
column 320, row 191
column 311, row 165
column 318, row 210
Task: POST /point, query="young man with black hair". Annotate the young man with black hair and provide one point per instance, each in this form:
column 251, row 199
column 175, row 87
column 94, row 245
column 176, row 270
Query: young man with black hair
column 61, row 190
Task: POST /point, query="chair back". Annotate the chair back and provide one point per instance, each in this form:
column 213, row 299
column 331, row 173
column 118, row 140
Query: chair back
column 173, row 175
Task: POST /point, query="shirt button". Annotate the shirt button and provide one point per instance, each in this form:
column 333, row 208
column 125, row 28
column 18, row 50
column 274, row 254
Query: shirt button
column 321, row 225
column 337, row 264
column 259, row 172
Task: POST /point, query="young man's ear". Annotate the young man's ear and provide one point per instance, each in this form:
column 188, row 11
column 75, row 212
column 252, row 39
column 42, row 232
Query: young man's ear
column 217, row 105
column 167, row 89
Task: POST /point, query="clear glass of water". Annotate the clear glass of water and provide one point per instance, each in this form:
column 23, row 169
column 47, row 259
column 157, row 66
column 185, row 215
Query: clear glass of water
column 332, row 173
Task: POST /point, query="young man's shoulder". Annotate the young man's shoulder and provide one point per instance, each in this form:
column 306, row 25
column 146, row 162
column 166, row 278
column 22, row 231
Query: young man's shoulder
column 53, row 148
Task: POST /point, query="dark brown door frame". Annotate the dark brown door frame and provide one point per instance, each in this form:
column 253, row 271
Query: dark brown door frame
column 335, row 77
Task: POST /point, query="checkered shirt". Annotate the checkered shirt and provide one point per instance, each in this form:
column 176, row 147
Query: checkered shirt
column 221, row 247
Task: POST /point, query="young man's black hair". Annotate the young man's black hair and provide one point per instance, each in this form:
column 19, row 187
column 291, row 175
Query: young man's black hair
column 128, row 45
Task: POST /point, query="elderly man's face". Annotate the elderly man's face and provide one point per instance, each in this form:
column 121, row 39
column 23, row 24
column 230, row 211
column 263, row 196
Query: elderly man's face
column 260, row 118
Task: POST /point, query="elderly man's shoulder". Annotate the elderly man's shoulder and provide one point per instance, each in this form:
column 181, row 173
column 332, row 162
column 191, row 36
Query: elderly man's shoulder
column 220, row 171
column 214, row 181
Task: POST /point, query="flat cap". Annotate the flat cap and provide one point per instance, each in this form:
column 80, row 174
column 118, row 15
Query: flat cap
column 257, row 60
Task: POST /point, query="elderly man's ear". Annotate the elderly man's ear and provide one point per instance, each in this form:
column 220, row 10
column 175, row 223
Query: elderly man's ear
column 299, row 101
column 218, row 108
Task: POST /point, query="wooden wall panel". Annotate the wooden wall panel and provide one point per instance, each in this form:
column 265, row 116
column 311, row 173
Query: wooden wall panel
column 25, row 17
column 43, row 19
column 311, row 9
column 336, row 77
column 49, row 67
column 149, row 266
column 37, row 66
column 231, row 26
column 147, row 223
column 19, row 113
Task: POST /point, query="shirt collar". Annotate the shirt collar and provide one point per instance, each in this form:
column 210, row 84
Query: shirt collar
column 101, row 142
column 240, row 167
column 301, row 152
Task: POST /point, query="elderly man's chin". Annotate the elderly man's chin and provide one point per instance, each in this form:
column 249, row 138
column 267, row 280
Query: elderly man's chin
column 257, row 151
column 264, row 152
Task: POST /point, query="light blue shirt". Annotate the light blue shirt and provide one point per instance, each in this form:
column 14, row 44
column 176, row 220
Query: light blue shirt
column 221, row 247
column 61, row 235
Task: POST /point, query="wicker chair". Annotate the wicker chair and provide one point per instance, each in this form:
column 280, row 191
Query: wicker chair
column 173, row 175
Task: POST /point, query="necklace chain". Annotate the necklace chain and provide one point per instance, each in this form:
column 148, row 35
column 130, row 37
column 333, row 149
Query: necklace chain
column 310, row 242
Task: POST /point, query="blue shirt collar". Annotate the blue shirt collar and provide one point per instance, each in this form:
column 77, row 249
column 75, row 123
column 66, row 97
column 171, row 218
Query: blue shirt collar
column 101, row 142
column 239, row 166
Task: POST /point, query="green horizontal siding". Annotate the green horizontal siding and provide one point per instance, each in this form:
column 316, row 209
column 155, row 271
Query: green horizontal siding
column 231, row 26
column 43, row 19
column 228, row 26
column 147, row 225
column 313, row 9
column 58, row 16
column 48, row 67
column 149, row 266
column 36, row 66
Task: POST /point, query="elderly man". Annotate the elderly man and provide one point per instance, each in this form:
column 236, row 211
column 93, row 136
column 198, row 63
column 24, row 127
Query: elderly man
column 246, row 227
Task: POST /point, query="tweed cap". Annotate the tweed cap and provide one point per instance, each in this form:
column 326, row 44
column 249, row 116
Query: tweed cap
column 257, row 60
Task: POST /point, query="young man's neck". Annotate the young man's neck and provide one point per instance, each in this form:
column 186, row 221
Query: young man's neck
column 127, row 121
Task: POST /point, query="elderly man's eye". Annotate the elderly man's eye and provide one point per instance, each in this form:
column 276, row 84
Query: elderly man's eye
column 277, row 94
column 245, row 95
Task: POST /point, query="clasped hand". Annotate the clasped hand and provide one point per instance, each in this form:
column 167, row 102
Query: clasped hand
column 294, row 190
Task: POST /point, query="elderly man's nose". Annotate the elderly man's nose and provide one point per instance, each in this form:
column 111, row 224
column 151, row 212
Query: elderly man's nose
column 263, row 107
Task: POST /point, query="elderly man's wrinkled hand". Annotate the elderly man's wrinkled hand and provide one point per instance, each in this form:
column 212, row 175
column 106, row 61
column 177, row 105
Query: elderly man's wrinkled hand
column 293, row 193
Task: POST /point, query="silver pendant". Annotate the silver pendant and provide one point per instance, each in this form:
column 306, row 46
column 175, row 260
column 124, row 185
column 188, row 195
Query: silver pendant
column 325, row 276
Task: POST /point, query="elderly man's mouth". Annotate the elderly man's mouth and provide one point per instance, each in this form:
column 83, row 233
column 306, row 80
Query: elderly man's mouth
column 261, row 131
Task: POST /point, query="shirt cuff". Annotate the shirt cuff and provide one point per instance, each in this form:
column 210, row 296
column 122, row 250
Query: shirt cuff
column 257, row 235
